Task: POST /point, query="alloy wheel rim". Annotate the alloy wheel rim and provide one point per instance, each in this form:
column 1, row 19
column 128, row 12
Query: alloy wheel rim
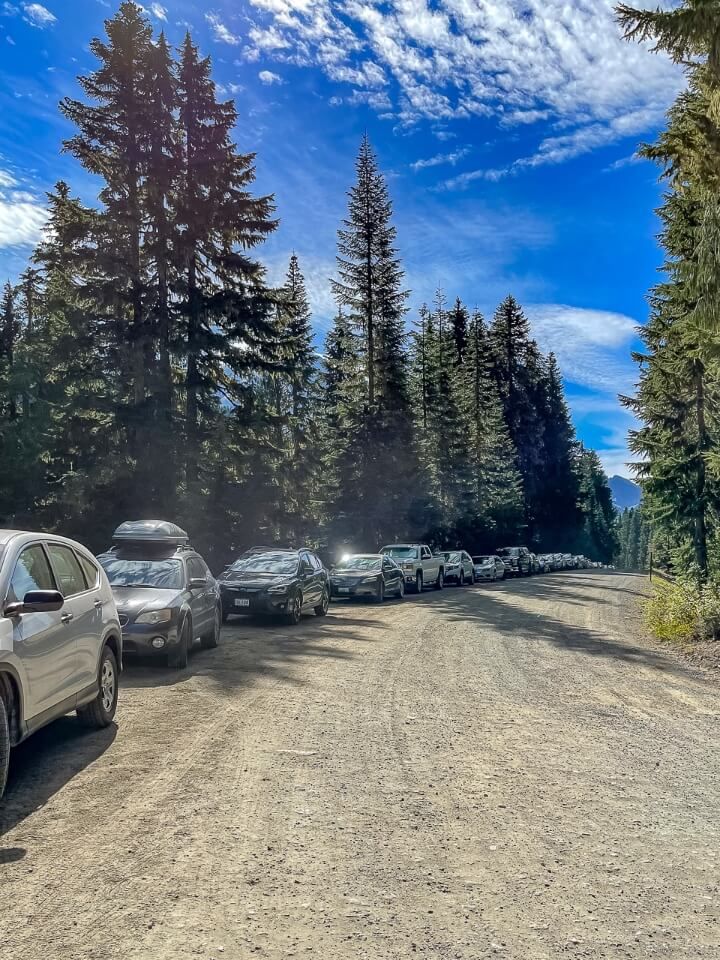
column 107, row 685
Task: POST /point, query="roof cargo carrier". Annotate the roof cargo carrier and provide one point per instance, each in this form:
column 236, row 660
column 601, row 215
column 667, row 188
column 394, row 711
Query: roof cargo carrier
column 159, row 532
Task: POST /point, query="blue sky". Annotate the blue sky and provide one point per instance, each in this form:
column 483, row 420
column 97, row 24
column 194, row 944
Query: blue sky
column 506, row 129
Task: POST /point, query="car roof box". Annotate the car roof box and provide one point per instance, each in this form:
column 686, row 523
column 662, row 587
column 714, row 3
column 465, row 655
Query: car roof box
column 150, row 531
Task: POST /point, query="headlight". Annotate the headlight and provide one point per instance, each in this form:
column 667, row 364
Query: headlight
column 407, row 566
column 155, row 616
column 279, row 588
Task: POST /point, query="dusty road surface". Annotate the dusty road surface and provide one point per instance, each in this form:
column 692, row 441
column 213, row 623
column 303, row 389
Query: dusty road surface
column 504, row 770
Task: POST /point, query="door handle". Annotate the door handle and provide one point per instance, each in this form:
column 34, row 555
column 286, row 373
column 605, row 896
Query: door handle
column 98, row 603
column 66, row 617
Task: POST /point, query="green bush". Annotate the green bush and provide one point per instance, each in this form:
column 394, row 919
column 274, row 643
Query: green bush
column 683, row 612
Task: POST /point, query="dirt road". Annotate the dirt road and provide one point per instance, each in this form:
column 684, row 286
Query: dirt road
column 502, row 770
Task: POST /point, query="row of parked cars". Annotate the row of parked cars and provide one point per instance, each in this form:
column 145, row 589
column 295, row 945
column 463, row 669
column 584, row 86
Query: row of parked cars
column 68, row 616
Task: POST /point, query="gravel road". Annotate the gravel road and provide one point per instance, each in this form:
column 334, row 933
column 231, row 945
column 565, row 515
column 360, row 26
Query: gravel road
column 501, row 770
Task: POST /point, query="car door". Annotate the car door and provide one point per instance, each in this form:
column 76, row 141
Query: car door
column 467, row 565
column 80, row 613
column 390, row 575
column 89, row 645
column 310, row 581
column 199, row 596
column 44, row 642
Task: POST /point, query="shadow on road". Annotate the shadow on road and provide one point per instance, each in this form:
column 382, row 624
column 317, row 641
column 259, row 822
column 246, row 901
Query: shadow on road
column 496, row 607
column 43, row 765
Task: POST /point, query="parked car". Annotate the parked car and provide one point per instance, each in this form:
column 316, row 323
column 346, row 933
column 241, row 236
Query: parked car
column 459, row 567
column 367, row 575
column 271, row 581
column 165, row 594
column 558, row 562
column 544, row 562
column 60, row 638
column 569, row 561
column 419, row 565
column 517, row 561
column 534, row 565
column 489, row 567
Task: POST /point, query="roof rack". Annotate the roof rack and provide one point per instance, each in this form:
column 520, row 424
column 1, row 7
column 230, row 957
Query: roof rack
column 151, row 531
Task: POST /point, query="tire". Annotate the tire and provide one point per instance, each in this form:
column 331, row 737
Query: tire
column 380, row 594
column 4, row 744
column 178, row 658
column 419, row 582
column 101, row 711
column 295, row 612
column 440, row 582
column 400, row 590
column 212, row 637
column 322, row 608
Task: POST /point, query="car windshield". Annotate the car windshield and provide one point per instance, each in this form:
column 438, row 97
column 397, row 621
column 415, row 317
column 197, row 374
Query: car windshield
column 166, row 574
column 482, row 559
column 274, row 561
column 406, row 553
column 359, row 563
column 452, row 557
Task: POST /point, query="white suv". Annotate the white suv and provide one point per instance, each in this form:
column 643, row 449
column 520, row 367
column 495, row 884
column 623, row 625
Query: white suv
column 60, row 638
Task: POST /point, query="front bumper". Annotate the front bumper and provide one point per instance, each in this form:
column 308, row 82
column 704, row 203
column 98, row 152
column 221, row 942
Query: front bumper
column 484, row 573
column 346, row 591
column 138, row 638
column 245, row 604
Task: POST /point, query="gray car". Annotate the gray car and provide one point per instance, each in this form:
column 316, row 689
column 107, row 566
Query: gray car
column 489, row 567
column 459, row 567
column 165, row 594
column 60, row 637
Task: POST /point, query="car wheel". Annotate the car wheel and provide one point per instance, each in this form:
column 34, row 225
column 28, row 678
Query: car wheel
column 178, row 658
column 4, row 744
column 212, row 637
column 400, row 590
column 419, row 582
column 322, row 607
column 440, row 582
column 295, row 609
column 100, row 712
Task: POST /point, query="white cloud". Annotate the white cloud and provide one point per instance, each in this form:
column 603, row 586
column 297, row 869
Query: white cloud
column 542, row 60
column 22, row 219
column 441, row 158
column 158, row 11
column 37, row 15
column 592, row 346
column 268, row 77
column 220, row 32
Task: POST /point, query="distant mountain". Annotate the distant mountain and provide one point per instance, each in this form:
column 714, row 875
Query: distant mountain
column 625, row 493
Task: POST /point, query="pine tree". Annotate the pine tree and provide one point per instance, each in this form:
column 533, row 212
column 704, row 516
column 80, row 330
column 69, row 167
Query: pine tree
column 459, row 323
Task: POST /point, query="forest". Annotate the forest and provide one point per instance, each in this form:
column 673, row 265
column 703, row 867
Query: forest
column 676, row 400
column 148, row 367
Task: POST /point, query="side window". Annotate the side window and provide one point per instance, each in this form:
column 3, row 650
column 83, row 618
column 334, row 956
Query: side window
column 89, row 569
column 386, row 564
column 315, row 561
column 67, row 569
column 426, row 553
column 196, row 569
column 305, row 565
column 32, row 572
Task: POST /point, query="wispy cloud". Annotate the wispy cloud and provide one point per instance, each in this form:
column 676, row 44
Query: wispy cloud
column 441, row 159
column 563, row 64
column 158, row 11
column 38, row 16
column 269, row 78
column 220, row 32
column 22, row 215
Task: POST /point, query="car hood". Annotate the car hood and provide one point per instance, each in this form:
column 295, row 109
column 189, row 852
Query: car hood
column 133, row 599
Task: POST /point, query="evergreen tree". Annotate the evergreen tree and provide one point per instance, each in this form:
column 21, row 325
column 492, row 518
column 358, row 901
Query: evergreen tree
column 459, row 324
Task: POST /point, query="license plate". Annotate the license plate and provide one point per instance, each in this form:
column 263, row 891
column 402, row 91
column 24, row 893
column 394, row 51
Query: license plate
column 343, row 589
column 242, row 603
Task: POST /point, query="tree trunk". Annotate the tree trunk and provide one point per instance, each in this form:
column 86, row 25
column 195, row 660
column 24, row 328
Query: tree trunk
column 700, row 532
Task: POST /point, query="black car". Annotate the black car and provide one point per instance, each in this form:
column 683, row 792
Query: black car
column 367, row 575
column 275, row 582
column 165, row 595
column 517, row 560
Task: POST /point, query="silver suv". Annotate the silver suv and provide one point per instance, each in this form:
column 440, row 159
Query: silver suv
column 60, row 638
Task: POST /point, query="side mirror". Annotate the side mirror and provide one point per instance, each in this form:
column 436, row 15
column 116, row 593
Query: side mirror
column 36, row 601
column 197, row 583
